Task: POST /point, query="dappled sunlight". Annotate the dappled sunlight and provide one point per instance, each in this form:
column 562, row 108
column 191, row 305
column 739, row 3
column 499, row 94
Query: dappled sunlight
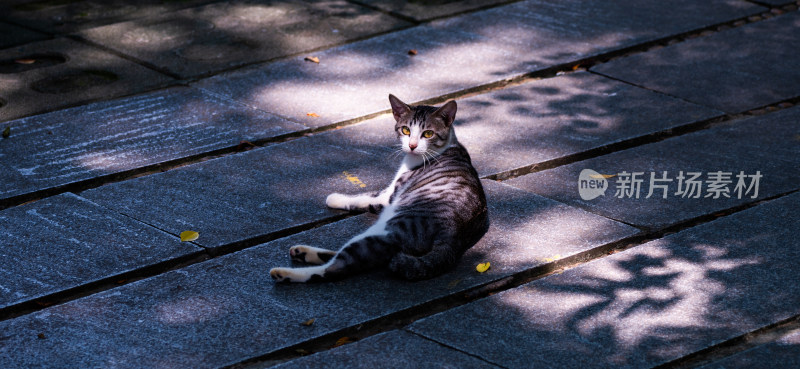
column 648, row 297
column 112, row 160
column 194, row 309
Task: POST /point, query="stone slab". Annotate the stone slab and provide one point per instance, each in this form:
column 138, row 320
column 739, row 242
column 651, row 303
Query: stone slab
column 66, row 241
column 782, row 353
column 644, row 306
column 549, row 119
column 766, row 144
column 14, row 35
column 712, row 70
column 253, row 193
column 421, row 10
column 72, row 15
column 226, row 310
column 104, row 138
column 556, row 117
column 394, row 349
column 66, row 72
column 459, row 53
column 204, row 40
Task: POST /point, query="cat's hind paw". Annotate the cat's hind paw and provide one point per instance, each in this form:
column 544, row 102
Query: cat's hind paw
column 280, row 274
column 297, row 275
column 310, row 255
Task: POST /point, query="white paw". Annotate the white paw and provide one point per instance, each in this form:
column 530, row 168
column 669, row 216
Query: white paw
column 297, row 275
column 280, row 274
column 338, row 201
column 310, row 255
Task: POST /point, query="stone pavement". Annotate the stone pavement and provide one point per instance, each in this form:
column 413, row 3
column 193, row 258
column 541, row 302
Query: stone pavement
column 640, row 160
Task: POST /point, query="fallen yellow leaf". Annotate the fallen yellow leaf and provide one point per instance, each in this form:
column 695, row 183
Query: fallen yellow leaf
column 312, row 59
column 412, row 52
column 552, row 259
column 187, row 236
column 354, row 179
column 482, row 267
column 313, row 115
column 308, row 322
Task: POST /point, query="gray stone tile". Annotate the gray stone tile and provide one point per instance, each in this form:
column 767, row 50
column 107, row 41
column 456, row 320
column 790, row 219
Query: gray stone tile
column 454, row 54
column 66, row 72
column 394, row 349
column 228, row 309
column 424, row 10
column 782, row 353
column 66, row 241
column 557, row 32
column 165, row 322
column 250, row 194
column 203, row 40
column 72, row 15
column 548, row 119
column 104, row 138
column 14, row 35
column 355, row 79
column 552, row 118
column 712, row 70
column 644, row 306
column 766, row 144
column 13, row 182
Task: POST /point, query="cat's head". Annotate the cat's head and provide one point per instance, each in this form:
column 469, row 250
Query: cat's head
column 423, row 129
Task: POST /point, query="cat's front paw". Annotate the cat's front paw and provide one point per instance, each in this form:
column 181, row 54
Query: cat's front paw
column 338, row 201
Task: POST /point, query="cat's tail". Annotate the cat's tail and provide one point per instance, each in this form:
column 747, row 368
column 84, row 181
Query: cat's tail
column 440, row 259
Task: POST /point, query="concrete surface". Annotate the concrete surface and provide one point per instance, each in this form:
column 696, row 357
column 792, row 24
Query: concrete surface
column 122, row 123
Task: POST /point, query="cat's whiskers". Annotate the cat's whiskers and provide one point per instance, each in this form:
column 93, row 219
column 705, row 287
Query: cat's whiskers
column 431, row 156
column 397, row 152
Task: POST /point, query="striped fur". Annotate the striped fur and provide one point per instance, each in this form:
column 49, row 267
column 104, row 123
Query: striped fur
column 431, row 213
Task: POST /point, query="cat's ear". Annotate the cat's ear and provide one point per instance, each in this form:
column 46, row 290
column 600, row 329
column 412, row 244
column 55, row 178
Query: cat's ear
column 447, row 113
column 399, row 108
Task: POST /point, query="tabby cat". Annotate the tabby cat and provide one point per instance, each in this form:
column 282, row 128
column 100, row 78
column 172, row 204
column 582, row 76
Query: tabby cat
column 431, row 213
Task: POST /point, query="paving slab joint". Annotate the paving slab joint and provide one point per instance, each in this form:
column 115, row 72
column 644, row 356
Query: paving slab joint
column 455, row 348
column 642, row 140
column 106, row 283
column 610, row 148
column 127, row 57
column 435, row 18
column 403, row 318
column 98, row 181
column 749, row 340
column 557, row 70
column 119, row 280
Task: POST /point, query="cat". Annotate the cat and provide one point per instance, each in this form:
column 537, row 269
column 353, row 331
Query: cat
column 430, row 214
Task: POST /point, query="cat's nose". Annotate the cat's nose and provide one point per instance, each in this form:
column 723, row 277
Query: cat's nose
column 412, row 146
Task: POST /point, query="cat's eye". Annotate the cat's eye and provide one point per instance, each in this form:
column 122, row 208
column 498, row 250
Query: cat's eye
column 405, row 130
column 427, row 134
